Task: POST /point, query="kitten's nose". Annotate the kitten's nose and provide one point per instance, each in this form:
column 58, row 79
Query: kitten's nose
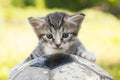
column 58, row 45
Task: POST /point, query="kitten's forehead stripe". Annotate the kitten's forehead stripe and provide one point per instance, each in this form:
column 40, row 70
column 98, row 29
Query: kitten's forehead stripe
column 62, row 21
column 55, row 20
column 49, row 22
column 50, row 30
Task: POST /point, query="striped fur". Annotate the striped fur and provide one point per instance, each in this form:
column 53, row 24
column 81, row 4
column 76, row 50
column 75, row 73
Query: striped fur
column 57, row 33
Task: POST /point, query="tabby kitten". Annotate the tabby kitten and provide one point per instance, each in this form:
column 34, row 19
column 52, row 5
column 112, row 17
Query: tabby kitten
column 57, row 33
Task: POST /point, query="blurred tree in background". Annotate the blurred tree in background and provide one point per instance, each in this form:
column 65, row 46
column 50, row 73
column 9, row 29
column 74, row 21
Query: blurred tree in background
column 112, row 6
column 23, row 3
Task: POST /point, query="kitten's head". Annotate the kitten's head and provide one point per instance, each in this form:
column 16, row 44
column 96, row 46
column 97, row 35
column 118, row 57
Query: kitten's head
column 57, row 30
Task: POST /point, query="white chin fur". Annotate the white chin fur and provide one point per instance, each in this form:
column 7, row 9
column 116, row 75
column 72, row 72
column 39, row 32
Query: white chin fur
column 52, row 49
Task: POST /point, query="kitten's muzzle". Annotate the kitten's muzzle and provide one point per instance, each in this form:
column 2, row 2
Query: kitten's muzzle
column 57, row 45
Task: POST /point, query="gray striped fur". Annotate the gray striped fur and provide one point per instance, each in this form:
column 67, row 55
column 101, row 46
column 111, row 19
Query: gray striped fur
column 56, row 24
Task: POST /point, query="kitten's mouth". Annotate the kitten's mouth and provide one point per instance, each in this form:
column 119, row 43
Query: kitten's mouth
column 58, row 48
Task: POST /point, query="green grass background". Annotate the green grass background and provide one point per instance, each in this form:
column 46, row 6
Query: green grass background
column 100, row 33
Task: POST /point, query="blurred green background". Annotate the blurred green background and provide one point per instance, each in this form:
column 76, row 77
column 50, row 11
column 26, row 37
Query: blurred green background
column 100, row 32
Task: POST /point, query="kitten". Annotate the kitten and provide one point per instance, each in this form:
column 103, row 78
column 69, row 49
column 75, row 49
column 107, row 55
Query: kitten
column 57, row 33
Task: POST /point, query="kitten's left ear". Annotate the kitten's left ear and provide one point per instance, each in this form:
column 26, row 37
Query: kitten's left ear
column 76, row 19
column 36, row 22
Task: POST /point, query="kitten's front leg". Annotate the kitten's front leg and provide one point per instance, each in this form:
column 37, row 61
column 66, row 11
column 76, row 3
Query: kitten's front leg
column 85, row 54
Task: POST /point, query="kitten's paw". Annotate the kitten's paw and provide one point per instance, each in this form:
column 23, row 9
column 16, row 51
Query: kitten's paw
column 89, row 56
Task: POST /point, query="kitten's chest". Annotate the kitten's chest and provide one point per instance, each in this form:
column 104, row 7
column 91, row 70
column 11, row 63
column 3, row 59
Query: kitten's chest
column 70, row 50
column 49, row 51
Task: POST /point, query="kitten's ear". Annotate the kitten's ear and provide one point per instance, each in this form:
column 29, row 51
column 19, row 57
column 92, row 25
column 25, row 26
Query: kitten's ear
column 76, row 19
column 36, row 22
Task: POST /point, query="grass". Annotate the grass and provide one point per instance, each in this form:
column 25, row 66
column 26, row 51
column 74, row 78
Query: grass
column 99, row 33
column 113, row 69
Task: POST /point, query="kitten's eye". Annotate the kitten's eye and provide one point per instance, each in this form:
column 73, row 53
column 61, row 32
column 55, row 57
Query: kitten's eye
column 49, row 36
column 65, row 35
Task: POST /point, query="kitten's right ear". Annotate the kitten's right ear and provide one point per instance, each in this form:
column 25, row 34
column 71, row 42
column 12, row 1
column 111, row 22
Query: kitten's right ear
column 36, row 22
column 76, row 19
